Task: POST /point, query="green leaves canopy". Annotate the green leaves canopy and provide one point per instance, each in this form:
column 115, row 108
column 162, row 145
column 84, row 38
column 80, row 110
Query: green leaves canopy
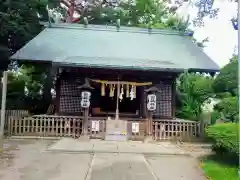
column 193, row 90
column 227, row 80
column 19, row 21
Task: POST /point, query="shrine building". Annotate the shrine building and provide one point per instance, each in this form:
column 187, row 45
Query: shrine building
column 120, row 67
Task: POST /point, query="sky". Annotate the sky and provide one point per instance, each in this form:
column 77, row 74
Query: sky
column 222, row 36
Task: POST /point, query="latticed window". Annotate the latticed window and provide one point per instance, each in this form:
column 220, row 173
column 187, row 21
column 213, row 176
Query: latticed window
column 70, row 97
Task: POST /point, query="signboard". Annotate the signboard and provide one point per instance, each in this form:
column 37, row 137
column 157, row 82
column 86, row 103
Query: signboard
column 135, row 127
column 151, row 104
column 85, row 101
column 95, row 126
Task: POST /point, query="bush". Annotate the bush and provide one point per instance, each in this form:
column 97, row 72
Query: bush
column 215, row 115
column 225, row 138
column 229, row 108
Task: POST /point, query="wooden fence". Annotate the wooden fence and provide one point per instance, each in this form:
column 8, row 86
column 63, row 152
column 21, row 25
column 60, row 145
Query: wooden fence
column 176, row 130
column 46, row 126
column 13, row 113
column 72, row 126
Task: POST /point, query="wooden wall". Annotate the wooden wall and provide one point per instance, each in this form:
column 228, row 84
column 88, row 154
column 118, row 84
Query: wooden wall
column 165, row 100
column 69, row 96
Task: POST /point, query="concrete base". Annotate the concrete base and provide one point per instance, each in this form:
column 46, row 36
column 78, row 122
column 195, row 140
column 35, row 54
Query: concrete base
column 148, row 139
column 84, row 138
column 116, row 130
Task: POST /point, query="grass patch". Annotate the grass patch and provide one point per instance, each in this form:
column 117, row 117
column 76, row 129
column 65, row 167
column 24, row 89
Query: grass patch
column 220, row 168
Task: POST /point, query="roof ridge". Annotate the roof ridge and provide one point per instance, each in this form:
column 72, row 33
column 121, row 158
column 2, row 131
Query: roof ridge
column 113, row 28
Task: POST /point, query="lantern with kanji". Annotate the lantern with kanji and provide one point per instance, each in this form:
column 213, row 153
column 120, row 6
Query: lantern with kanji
column 85, row 94
column 152, row 98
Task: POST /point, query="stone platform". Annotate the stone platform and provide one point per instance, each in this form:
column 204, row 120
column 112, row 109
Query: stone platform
column 100, row 146
column 116, row 130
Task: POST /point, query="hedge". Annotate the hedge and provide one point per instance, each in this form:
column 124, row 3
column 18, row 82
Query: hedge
column 224, row 137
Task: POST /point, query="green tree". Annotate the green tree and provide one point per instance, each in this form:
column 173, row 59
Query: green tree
column 144, row 13
column 15, row 91
column 25, row 88
column 227, row 80
column 193, row 91
column 19, row 22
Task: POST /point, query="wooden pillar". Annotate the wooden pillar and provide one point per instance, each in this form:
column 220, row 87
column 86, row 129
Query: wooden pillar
column 142, row 103
column 150, row 123
column 3, row 107
column 117, row 101
column 173, row 97
column 47, row 95
column 85, row 122
column 58, row 90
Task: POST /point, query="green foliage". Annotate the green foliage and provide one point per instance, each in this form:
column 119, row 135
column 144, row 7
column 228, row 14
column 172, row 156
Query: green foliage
column 143, row 13
column 15, row 91
column 215, row 115
column 227, row 80
column 222, row 95
column 225, row 138
column 193, row 90
column 229, row 108
column 25, row 88
column 19, row 22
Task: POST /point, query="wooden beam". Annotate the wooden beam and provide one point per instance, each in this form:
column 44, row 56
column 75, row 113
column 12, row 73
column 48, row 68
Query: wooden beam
column 173, row 98
column 3, row 107
column 48, row 84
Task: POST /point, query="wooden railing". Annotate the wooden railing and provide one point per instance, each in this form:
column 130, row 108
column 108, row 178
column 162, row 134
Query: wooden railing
column 176, row 130
column 13, row 113
column 46, row 126
column 72, row 126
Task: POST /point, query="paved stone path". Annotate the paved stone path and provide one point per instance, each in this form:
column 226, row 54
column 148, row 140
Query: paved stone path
column 135, row 147
column 27, row 161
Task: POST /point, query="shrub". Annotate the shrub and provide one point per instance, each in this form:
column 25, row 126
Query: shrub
column 229, row 108
column 215, row 115
column 225, row 138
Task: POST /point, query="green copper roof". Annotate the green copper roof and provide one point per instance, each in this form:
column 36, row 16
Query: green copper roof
column 126, row 48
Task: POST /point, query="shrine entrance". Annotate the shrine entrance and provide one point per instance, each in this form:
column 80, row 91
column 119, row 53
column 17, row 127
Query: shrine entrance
column 117, row 99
